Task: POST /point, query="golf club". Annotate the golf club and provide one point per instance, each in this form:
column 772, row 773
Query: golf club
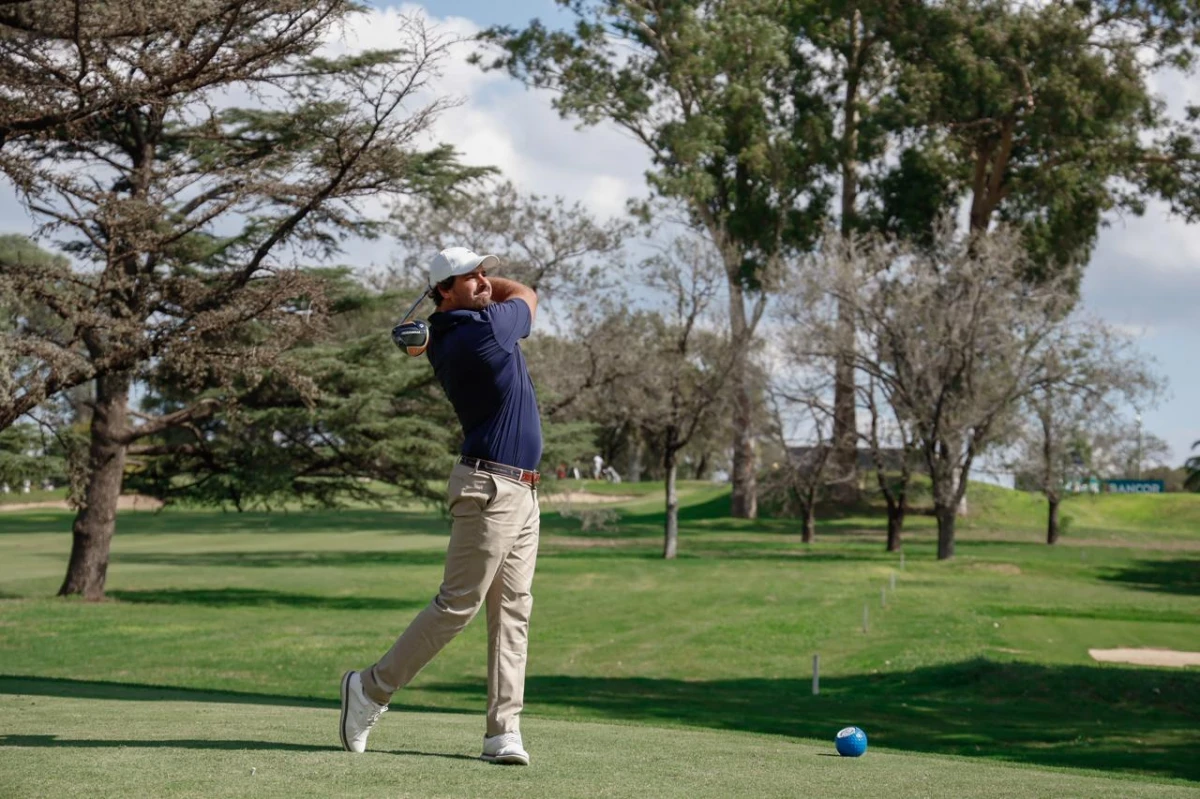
column 412, row 337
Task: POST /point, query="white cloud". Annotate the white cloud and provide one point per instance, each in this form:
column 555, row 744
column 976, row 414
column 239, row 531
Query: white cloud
column 1146, row 273
column 499, row 123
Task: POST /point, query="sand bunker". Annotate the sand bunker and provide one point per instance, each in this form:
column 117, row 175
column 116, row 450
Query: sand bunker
column 1147, row 656
column 583, row 498
column 124, row 502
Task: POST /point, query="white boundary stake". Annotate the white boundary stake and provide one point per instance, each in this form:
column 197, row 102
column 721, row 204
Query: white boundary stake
column 893, row 581
column 816, row 674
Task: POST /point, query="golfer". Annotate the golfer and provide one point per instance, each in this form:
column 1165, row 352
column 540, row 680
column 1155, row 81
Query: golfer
column 490, row 559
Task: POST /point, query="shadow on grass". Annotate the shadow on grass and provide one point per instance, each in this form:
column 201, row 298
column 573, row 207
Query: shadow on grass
column 1102, row 613
column 274, row 559
column 257, row 598
column 1169, row 576
column 54, row 742
column 17, row 685
column 87, row 689
column 1106, row 718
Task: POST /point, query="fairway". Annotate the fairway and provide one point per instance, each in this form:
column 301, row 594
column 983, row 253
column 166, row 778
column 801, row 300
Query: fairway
column 220, row 649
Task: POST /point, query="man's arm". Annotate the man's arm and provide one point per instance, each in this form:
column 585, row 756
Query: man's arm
column 505, row 289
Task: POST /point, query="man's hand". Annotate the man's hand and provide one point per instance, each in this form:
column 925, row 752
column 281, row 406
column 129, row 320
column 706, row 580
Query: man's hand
column 505, row 289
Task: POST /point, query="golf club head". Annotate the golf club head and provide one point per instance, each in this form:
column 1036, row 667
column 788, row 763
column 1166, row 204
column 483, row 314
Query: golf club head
column 412, row 337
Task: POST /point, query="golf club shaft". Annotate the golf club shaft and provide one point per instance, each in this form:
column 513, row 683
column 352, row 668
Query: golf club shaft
column 414, row 307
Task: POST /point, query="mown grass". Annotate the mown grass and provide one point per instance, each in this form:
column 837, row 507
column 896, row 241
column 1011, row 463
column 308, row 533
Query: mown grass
column 984, row 657
column 140, row 742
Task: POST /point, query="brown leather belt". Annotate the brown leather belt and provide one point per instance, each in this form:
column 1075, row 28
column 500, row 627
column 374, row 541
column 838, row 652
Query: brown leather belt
column 526, row 476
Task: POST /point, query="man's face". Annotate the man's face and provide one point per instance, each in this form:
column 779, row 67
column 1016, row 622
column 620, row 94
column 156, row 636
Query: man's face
column 471, row 291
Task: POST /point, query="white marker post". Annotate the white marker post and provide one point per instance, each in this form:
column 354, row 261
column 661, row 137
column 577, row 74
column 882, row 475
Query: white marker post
column 816, row 674
column 893, row 581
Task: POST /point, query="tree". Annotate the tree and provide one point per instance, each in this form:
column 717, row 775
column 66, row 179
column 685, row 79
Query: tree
column 861, row 86
column 723, row 96
column 1192, row 483
column 893, row 465
column 802, row 475
column 1043, row 116
column 691, row 365
column 186, row 221
column 1118, row 448
column 53, row 77
column 813, row 320
column 954, row 336
column 376, row 423
column 1090, row 371
column 24, row 456
column 595, row 357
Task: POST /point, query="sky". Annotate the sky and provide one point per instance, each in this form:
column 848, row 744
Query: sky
column 1144, row 275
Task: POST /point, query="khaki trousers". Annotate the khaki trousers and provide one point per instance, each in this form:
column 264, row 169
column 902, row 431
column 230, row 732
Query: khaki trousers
column 490, row 558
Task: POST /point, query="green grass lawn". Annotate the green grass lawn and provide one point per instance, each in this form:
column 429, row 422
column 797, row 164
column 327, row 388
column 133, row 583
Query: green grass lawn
column 646, row 678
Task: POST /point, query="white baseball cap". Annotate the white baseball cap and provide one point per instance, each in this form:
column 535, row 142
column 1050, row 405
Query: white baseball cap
column 454, row 261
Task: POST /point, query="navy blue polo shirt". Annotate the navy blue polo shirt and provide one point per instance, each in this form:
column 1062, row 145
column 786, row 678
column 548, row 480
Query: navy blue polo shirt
column 477, row 359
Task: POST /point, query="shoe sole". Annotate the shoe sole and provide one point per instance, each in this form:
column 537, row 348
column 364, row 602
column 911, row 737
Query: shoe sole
column 505, row 760
column 345, row 708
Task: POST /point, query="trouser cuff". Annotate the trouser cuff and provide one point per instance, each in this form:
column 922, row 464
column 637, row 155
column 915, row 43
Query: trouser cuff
column 372, row 689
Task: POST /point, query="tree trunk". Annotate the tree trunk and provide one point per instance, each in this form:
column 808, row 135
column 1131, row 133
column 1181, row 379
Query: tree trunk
column 845, row 424
column 1052, row 522
column 635, row 460
column 960, row 506
column 96, row 520
column 744, row 502
column 895, row 524
column 810, row 523
column 671, row 533
column 946, row 518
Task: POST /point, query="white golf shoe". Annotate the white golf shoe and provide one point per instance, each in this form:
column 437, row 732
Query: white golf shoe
column 359, row 713
column 506, row 749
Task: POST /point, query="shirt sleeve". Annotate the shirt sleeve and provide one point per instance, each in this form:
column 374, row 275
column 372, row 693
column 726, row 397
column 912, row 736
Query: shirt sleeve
column 510, row 321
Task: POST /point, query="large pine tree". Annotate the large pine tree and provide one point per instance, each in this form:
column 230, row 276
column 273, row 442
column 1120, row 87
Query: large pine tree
column 187, row 217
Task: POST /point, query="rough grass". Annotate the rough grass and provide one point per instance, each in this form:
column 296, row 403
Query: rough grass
column 689, row 678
